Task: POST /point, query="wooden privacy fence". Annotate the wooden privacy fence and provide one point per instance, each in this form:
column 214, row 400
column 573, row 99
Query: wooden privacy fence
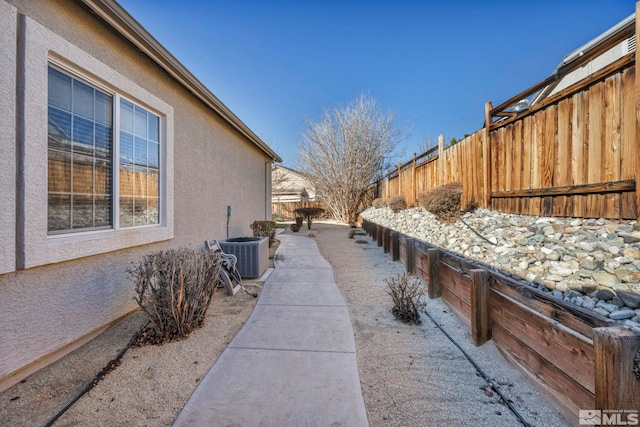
column 574, row 153
column 574, row 357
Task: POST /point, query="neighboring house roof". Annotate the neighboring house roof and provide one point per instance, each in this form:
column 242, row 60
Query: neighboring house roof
column 288, row 182
column 610, row 46
column 121, row 21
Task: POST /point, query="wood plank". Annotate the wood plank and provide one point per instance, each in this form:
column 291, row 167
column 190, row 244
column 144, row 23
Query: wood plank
column 486, row 157
column 628, row 146
column 567, row 350
column 611, row 141
column 564, row 394
column 595, row 138
column 616, row 385
column 517, row 160
column 459, row 307
column 576, row 318
column 508, row 157
column 456, row 282
column 549, row 146
column 537, row 138
column 628, row 209
column 526, row 160
column 577, row 149
column 596, row 188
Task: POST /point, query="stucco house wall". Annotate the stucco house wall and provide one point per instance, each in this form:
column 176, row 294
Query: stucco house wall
column 58, row 291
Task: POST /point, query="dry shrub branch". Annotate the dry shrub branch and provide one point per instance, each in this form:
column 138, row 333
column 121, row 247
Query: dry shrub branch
column 408, row 294
column 378, row 203
column 443, row 201
column 265, row 229
column 397, row 204
column 175, row 289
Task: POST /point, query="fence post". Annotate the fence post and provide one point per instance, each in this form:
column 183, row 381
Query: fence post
column 486, row 157
column 379, row 230
column 411, row 250
column 441, row 164
column 433, row 280
column 480, row 294
column 412, row 201
column 395, row 246
column 617, row 387
column 386, row 240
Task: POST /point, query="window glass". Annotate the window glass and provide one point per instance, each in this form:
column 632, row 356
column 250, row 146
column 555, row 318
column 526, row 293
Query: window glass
column 126, row 116
column 154, row 127
column 140, row 125
column 80, row 146
column 81, row 158
column 139, row 167
column 59, row 89
column 82, row 99
column 103, row 108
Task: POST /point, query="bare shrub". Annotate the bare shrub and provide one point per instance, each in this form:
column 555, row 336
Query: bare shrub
column 309, row 214
column 397, row 204
column 443, row 201
column 408, row 295
column 265, row 229
column 378, row 203
column 175, row 289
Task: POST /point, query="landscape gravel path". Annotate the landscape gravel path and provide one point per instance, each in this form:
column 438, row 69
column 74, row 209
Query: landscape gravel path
column 412, row 375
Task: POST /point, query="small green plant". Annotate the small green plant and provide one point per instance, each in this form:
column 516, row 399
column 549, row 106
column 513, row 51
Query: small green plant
column 443, row 201
column 175, row 289
column 408, row 294
column 309, row 214
column 378, row 203
column 396, row 204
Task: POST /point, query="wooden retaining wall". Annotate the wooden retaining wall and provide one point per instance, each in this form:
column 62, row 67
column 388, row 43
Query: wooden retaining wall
column 577, row 359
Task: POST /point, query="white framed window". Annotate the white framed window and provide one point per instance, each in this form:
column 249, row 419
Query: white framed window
column 80, row 155
column 85, row 148
column 97, row 156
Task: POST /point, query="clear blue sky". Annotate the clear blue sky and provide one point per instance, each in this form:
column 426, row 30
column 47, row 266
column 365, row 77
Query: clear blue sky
column 434, row 63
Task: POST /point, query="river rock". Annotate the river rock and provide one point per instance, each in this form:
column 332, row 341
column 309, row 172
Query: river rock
column 605, row 294
column 623, row 313
column 610, row 308
column 605, row 279
column 630, row 299
column 589, row 304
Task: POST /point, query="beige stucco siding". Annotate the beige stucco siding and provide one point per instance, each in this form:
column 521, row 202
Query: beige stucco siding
column 8, row 24
column 47, row 308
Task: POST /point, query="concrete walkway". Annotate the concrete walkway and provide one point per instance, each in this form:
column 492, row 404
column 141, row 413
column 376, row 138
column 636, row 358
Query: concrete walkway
column 293, row 363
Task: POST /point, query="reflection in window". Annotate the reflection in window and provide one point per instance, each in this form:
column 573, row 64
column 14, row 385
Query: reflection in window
column 139, row 166
column 80, row 147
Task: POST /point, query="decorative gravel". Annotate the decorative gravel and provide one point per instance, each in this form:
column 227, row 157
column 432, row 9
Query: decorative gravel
column 592, row 263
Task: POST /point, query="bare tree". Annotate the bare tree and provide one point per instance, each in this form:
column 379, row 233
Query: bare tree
column 346, row 151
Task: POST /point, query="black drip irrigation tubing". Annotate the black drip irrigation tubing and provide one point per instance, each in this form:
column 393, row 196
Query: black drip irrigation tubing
column 480, row 235
column 480, row 371
column 99, row 376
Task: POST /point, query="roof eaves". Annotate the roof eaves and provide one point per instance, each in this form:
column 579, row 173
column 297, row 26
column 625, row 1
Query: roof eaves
column 119, row 19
